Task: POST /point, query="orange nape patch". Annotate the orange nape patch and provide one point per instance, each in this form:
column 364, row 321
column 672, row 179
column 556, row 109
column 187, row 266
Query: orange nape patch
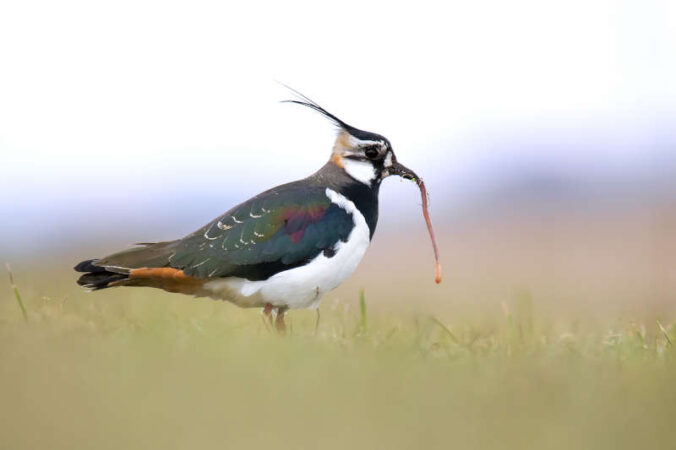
column 167, row 278
column 341, row 145
column 337, row 160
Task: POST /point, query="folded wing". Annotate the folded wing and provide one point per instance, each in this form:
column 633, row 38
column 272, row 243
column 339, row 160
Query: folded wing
column 274, row 231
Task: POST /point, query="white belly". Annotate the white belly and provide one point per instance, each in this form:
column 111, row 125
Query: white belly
column 301, row 287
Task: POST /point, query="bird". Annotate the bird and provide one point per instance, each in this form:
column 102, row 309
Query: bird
column 281, row 250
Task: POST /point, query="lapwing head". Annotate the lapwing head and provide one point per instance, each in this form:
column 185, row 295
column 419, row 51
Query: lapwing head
column 365, row 156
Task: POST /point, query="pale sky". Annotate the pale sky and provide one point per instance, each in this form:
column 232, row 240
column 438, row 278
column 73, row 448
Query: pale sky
column 124, row 102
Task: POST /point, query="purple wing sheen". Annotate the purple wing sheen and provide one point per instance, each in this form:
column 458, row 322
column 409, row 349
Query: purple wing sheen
column 295, row 220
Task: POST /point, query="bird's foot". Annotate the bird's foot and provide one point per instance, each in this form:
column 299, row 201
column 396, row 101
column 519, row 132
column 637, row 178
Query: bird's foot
column 280, row 325
column 267, row 315
column 274, row 317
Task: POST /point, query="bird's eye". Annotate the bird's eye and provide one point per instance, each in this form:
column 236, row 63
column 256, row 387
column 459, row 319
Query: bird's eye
column 371, row 152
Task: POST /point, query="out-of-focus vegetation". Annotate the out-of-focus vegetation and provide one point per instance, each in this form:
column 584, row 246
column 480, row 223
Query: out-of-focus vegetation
column 138, row 368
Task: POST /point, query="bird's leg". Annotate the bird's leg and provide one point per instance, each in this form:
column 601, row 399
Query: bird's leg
column 267, row 312
column 317, row 322
column 279, row 320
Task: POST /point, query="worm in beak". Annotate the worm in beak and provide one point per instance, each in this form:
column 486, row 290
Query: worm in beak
column 405, row 172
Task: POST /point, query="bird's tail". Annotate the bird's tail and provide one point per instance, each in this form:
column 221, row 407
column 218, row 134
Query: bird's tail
column 115, row 270
column 96, row 277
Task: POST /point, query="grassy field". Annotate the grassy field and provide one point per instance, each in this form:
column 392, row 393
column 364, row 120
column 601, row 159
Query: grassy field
column 138, row 368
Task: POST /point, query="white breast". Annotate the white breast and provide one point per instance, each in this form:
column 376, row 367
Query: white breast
column 301, row 287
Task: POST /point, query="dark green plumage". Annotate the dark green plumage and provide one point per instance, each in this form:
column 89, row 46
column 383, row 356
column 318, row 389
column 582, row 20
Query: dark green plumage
column 282, row 228
column 279, row 229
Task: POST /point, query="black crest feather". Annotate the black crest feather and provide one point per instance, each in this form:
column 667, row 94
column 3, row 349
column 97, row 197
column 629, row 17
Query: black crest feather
column 303, row 100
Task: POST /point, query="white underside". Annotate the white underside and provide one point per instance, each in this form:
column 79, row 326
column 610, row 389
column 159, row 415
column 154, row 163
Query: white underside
column 303, row 286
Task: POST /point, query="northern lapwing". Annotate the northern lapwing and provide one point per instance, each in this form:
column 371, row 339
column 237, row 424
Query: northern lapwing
column 282, row 249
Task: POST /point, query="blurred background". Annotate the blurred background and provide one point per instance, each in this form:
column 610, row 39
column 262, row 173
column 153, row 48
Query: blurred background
column 545, row 131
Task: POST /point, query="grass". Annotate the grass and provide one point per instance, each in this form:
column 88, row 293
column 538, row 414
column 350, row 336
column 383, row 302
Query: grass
column 17, row 294
column 140, row 368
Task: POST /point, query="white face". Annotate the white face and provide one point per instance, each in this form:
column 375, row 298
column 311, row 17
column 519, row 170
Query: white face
column 362, row 171
column 364, row 160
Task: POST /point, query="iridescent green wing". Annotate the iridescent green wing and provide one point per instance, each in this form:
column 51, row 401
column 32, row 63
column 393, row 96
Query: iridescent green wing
column 277, row 230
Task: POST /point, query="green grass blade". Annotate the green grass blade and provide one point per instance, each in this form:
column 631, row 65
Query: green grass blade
column 447, row 330
column 16, row 293
column 665, row 333
column 362, row 312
